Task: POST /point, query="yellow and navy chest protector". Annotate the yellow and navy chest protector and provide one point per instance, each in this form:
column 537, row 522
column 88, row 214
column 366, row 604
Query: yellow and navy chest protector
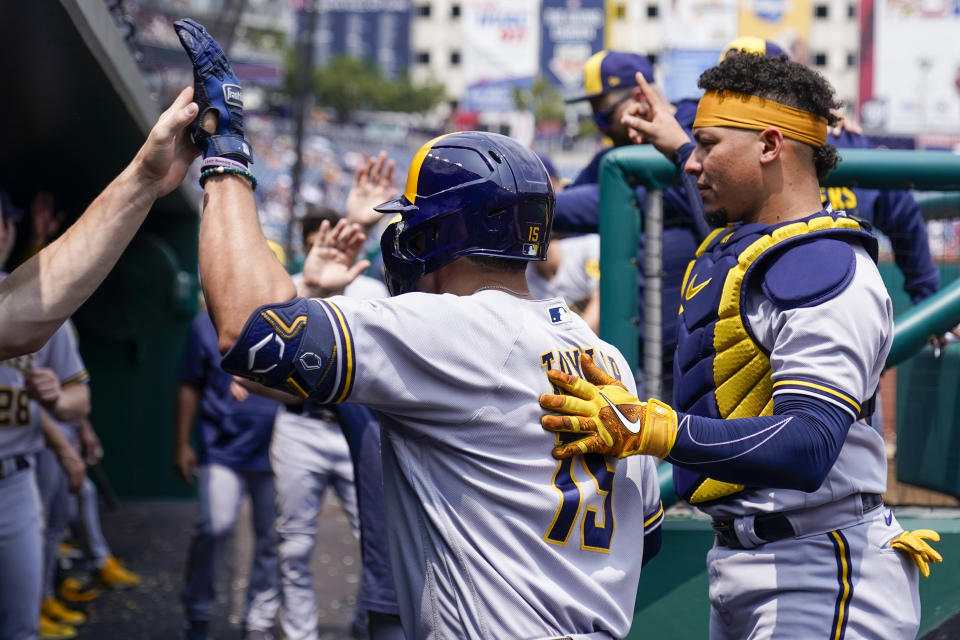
column 721, row 370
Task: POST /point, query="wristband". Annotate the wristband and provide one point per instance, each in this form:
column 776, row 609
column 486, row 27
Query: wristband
column 220, row 171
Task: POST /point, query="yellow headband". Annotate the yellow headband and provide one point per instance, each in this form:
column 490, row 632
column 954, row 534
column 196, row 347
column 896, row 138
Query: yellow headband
column 742, row 111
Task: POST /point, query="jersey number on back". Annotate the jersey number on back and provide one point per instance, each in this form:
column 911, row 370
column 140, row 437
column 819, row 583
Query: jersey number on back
column 14, row 407
column 596, row 531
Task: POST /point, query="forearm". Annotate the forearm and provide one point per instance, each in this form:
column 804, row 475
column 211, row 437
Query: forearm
column 43, row 292
column 268, row 392
column 898, row 215
column 73, row 403
column 185, row 413
column 53, row 438
column 238, row 271
column 795, row 448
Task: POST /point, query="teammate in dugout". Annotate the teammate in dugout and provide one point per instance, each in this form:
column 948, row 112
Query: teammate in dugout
column 489, row 537
column 783, row 333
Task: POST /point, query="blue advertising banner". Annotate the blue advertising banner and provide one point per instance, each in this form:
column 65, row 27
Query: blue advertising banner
column 572, row 31
column 378, row 30
column 681, row 68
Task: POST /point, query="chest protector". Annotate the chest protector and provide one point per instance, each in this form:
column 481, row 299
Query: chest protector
column 720, row 368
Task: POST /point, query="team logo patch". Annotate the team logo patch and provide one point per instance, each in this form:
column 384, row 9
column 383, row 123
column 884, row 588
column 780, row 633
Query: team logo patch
column 233, row 95
column 559, row 314
column 311, row 361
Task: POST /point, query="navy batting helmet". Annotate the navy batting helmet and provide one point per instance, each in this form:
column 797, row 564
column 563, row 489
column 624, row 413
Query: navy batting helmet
column 468, row 194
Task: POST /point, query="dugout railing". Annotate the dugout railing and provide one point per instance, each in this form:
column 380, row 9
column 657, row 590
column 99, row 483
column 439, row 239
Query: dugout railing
column 681, row 581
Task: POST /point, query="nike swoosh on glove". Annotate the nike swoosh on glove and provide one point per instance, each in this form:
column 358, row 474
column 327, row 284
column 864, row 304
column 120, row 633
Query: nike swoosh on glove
column 612, row 420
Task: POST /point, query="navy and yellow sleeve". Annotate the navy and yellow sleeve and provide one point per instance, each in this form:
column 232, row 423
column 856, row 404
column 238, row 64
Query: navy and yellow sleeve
column 303, row 347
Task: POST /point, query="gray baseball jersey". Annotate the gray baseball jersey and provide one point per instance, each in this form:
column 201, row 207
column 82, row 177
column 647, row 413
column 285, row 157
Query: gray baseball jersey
column 826, row 343
column 490, row 536
column 19, row 422
column 21, row 518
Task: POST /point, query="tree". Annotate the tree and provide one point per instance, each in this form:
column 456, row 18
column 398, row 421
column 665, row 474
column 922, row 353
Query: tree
column 542, row 98
column 347, row 84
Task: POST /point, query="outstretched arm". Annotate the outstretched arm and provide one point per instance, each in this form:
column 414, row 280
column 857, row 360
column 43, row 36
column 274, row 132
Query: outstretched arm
column 238, row 270
column 43, row 292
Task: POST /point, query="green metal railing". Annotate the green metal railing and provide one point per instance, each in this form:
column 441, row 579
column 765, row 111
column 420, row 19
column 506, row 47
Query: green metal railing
column 622, row 170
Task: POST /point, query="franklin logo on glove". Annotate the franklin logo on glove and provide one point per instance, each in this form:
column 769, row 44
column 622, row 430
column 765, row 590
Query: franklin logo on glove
column 233, row 95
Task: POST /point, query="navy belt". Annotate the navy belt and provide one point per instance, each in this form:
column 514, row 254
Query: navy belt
column 20, row 462
column 771, row 527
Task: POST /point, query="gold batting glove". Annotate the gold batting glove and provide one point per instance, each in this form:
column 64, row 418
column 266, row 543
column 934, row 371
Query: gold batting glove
column 612, row 420
column 914, row 544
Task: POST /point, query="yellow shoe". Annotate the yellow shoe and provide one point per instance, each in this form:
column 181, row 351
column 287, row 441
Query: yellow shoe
column 114, row 576
column 49, row 630
column 72, row 590
column 57, row 611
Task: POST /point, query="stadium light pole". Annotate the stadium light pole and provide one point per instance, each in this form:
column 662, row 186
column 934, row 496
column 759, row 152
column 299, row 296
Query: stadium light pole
column 302, row 101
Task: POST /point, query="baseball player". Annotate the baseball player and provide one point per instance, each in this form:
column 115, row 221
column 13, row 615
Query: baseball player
column 234, row 434
column 94, row 551
column 377, row 597
column 488, row 538
column 609, row 84
column 49, row 378
column 895, row 212
column 45, row 290
column 783, row 333
column 308, row 454
column 52, row 481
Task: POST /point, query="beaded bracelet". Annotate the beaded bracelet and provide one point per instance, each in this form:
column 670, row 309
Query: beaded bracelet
column 219, row 171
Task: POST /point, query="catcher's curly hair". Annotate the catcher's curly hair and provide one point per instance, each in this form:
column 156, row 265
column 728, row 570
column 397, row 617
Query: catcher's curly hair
column 779, row 79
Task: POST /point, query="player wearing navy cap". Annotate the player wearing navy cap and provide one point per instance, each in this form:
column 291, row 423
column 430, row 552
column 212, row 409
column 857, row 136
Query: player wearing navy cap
column 774, row 374
column 609, row 83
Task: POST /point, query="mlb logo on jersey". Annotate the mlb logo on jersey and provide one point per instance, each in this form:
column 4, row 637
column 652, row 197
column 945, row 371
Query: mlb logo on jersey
column 559, row 314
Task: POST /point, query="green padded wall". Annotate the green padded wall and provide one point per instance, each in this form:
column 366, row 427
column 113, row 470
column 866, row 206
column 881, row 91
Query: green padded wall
column 928, row 406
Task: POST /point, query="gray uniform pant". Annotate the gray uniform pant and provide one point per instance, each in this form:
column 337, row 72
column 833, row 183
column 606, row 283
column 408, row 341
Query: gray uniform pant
column 21, row 557
column 52, row 483
column 307, row 456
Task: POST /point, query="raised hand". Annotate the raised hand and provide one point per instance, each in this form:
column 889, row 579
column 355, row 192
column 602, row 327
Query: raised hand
column 611, row 420
column 166, row 155
column 330, row 265
column 217, row 93
column 650, row 119
column 372, row 185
